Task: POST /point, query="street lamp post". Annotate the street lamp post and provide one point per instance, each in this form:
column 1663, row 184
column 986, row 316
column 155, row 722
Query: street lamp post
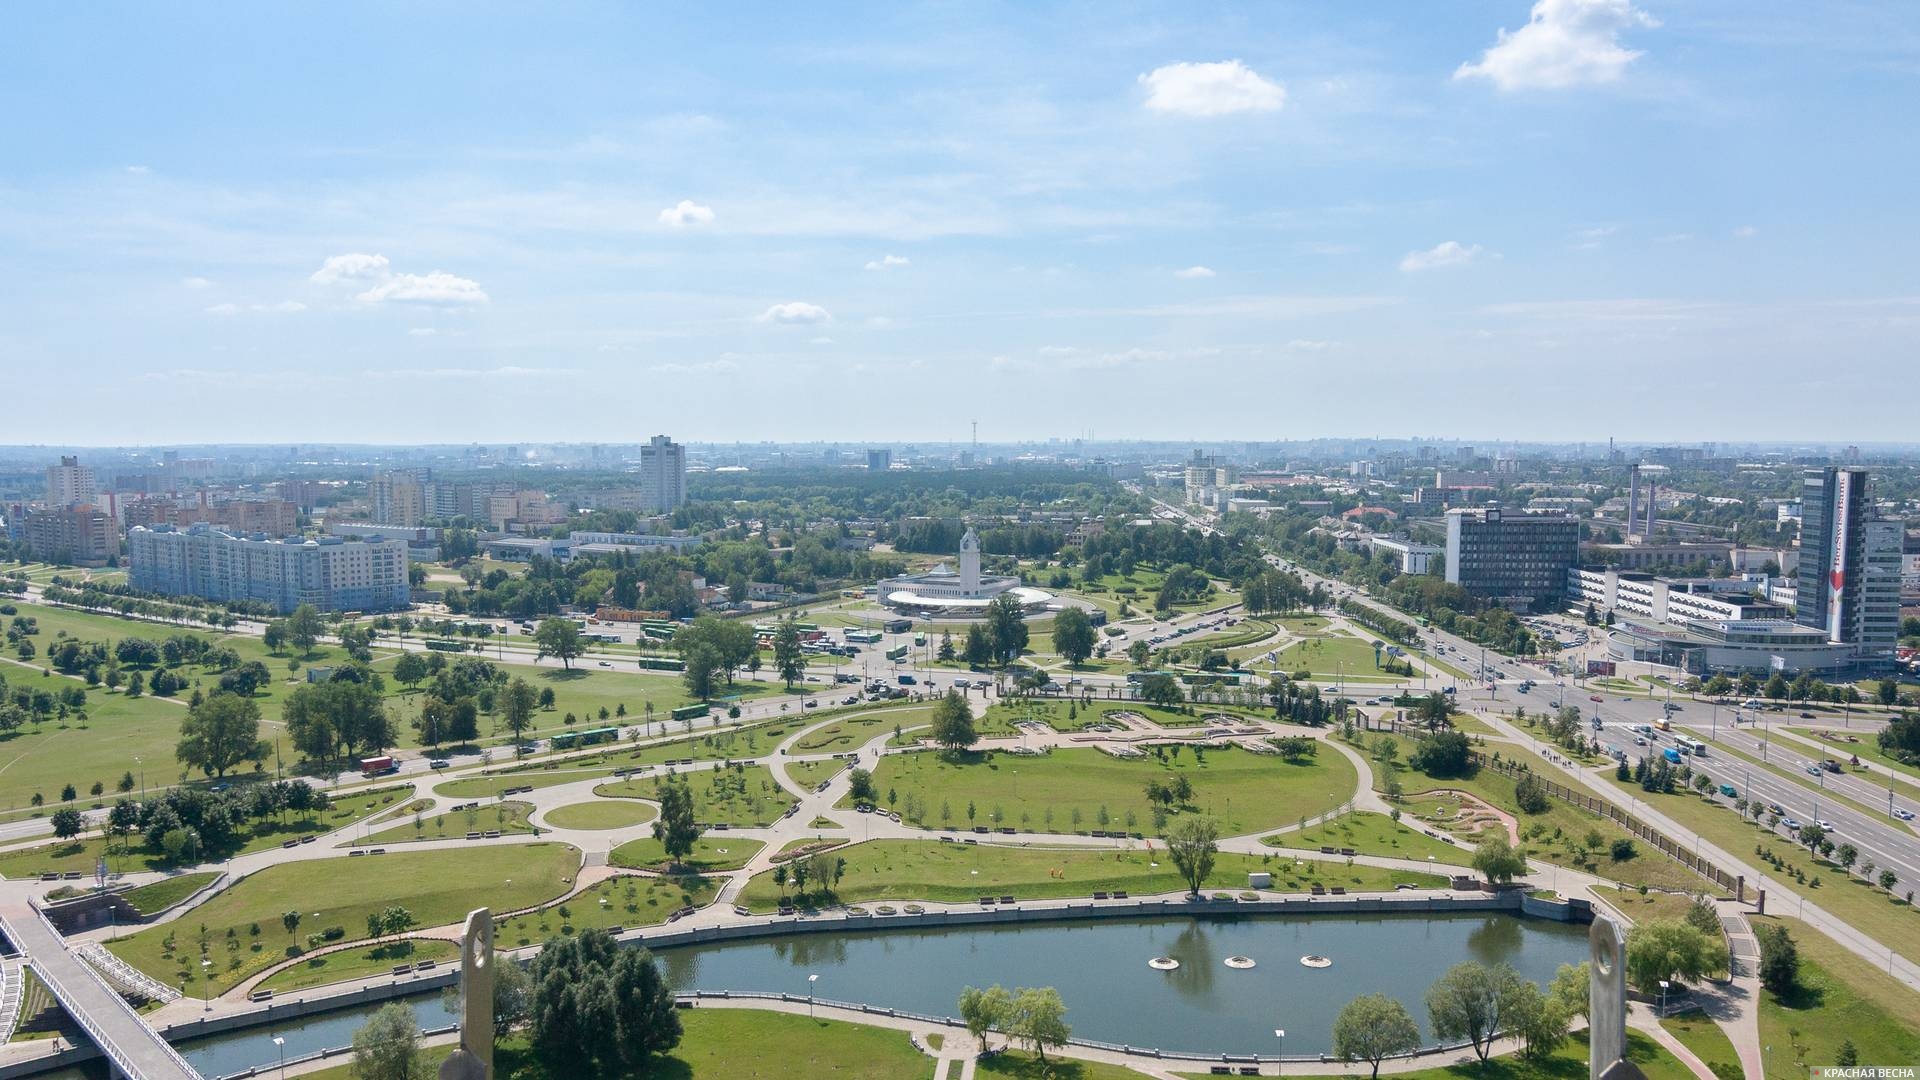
column 280, row 1047
column 811, row 979
column 1663, row 998
column 206, row 985
column 1281, row 1034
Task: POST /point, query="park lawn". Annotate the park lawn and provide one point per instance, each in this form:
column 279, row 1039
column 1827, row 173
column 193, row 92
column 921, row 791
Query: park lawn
column 492, row 784
column 1701, row 1035
column 1861, row 904
column 1328, row 653
column 809, row 774
column 962, row 873
column 1022, row 1065
column 712, row 852
column 1841, row 997
column 357, row 963
column 1079, row 789
column 629, row 900
column 857, row 729
column 1567, row 1063
column 1172, row 718
column 731, row 744
column 504, row 817
column 743, row 796
column 39, row 759
column 1371, row 833
column 81, row 853
column 437, row 887
column 600, row 815
column 1559, row 832
column 161, row 895
column 1639, row 908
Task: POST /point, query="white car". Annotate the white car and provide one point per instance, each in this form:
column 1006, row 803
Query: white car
column 1903, row 814
column 1825, row 826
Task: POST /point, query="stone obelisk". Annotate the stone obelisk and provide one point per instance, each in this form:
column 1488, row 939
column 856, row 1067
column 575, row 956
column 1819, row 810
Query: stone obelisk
column 1607, row 1003
column 474, row 1059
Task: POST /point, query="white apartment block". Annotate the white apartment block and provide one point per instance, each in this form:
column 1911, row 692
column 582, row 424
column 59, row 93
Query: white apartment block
column 331, row 573
column 663, row 475
column 71, row 484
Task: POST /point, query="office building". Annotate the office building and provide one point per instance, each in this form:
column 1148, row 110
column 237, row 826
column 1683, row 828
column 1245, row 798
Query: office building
column 879, row 460
column 399, row 498
column 663, row 475
column 1414, row 557
column 1849, row 564
column 330, row 573
column 72, row 536
column 1513, row 559
column 71, row 484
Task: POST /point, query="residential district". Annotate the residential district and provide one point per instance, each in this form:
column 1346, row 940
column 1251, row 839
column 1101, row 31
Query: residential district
column 1061, row 758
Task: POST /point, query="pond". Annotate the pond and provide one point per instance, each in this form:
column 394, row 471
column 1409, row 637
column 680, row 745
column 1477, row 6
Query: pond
column 1099, row 967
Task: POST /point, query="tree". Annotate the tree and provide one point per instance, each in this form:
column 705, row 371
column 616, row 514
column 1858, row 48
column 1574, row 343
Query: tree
column 702, row 667
column 1497, row 860
column 731, row 643
column 1138, row 652
column 304, row 627
column 1539, row 1019
column 387, row 1047
column 516, row 710
column 953, row 722
column 1039, row 1019
column 1372, row 1028
column 985, row 1011
column 1779, row 958
column 410, row 669
column 219, row 733
column 1161, row 690
column 1073, row 635
column 599, row 1009
column 1572, row 987
column 1469, row 1002
column 274, row 637
column 1007, row 628
column 558, row 637
column 1444, row 754
column 1530, row 793
column 1672, row 950
column 947, row 652
column 1192, row 843
column 67, row 823
column 788, row 658
column 978, row 651
column 860, row 785
column 675, row 827
column 1811, row 834
column 290, row 919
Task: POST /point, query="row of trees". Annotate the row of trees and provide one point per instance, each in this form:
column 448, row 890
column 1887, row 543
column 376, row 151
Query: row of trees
column 1471, row 1001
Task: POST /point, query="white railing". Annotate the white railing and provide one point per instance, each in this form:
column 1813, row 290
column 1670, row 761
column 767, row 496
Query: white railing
column 123, row 975
column 123, row 1058
column 12, row 987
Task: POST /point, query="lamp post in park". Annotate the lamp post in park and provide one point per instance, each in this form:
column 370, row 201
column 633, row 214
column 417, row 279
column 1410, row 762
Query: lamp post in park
column 1281, row 1061
column 811, row 979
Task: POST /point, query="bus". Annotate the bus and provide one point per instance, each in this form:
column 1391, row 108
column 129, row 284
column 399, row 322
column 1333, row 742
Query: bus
column 1135, row 678
column 438, row 645
column 1207, row 678
column 690, row 712
column 1689, row 746
column 1663, row 724
column 567, row 740
column 863, row 637
column 658, row 629
column 919, row 641
column 897, row 626
column 898, row 652
column 662, row 663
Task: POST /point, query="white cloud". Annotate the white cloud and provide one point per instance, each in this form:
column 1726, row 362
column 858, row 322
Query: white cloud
column 820, row 341
column 1444, row 254
column 350, row 267
column 1745, row 232
column 1192, row 273
column 509, row 371
column 195, row 283
column 796, row 313
column 1309, row 345
column 1565, row 43
column 686, row 213
column 879, row 322
column 436, row 288
column 422, row 331
column 224, row 309
column 138, row 170
column 887, row 262
column 1211, row 89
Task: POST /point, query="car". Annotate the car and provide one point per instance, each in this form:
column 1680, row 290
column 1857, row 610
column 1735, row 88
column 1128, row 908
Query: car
column 1804, row 715
column 1639, row 740
column 440, row 763
column 1792, row 824
column 1903, row 813
column 1813, row 770
column 812, row 704
column 604, row 663
column 1826, row 825
column 1595, row 698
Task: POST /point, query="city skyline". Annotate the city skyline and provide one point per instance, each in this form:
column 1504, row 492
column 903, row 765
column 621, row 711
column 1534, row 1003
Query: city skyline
column 1450, row 219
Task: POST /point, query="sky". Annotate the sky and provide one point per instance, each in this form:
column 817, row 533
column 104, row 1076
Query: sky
column 421, row 222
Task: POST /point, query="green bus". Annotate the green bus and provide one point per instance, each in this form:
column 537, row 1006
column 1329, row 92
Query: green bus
column 690, row 712
column 661, row 663
column 898, row 652
column 567, row 740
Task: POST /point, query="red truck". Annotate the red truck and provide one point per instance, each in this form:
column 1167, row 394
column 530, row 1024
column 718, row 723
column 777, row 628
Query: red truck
column 378, row 766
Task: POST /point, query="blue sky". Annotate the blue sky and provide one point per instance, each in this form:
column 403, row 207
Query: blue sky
column 437, row 221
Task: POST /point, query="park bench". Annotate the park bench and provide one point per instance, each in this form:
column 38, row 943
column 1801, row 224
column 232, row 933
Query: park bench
column 1100, row 896
column 1120, row 894
column 260, row 995
column 1339, row 890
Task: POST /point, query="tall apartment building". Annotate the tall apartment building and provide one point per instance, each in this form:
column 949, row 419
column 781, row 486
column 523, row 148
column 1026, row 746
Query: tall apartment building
column 1515, row 559
column 1849, row 563
column 330, row 573
column 663, row 475
column 879, row 460
column 77, row 536
column 71, row 484
column 399, row 498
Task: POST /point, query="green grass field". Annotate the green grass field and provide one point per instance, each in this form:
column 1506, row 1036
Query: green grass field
column 958, row 873
column 1842, row 997
column 623, row 901
column 744, row 796
column 1022, row 1065
column 81, row 853
column 504, row 817
column 1327, row 654
column 600, row 815
column 161, row 895
column 810, row 773
column 1082, row 789
column 1567, row 1063
column 437, row 887
column 711, row 853
column 857, row 729
column 1370, row 833
column 357, row 963
column 492, row 784
column 1701, row 1035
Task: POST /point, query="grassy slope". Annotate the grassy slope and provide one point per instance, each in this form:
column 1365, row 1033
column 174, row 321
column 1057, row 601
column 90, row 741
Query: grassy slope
column 745, row 796
column 600, row 815
column 1843, row 997
column 1371, row 833
column 712, row 852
